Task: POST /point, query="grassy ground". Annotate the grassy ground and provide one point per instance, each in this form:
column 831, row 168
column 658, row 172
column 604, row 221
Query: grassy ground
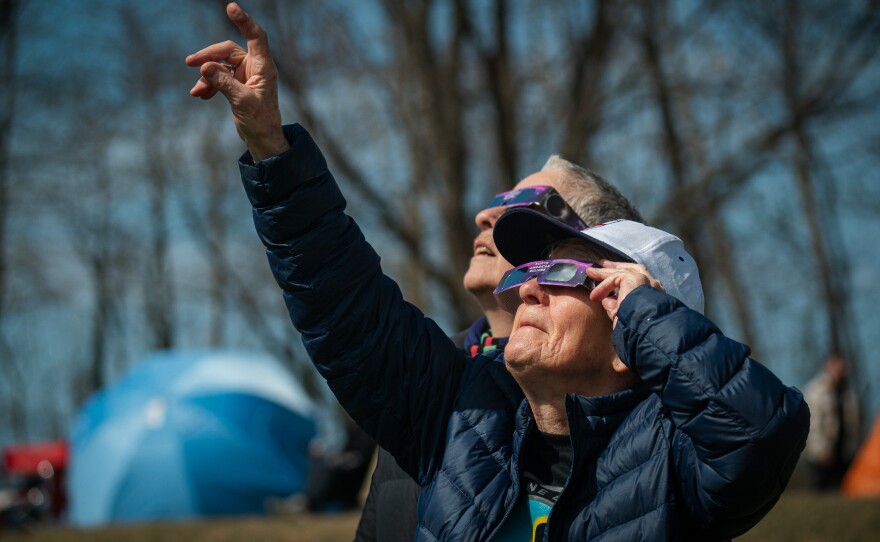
column 807, row 517
column 294, row 528
column 801, row 517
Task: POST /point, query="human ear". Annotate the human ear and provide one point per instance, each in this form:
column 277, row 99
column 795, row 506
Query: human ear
column 619, row 366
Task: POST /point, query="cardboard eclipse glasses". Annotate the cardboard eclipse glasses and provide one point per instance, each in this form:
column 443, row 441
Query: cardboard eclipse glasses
column 542, row 198
column 562, row 272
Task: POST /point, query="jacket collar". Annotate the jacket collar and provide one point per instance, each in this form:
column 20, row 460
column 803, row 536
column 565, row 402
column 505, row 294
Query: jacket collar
column 592, row 420
column 602, row 415
column 594, row 416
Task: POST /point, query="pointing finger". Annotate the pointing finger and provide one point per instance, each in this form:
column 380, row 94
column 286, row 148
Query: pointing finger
column 257, row 40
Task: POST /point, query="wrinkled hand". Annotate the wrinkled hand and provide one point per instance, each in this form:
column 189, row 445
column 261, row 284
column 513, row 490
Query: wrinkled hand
column 248, row 80
column 621, row 278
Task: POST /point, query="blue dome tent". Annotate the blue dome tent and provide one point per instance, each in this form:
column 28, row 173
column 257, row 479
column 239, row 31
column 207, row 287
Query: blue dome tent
column 188, row 434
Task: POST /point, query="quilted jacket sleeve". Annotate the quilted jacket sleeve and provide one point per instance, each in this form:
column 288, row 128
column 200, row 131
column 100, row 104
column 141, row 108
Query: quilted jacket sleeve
column 392, row 369
column 738, row 431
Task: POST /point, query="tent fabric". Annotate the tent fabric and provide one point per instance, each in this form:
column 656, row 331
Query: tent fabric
column 863, row 477
column 190, row 434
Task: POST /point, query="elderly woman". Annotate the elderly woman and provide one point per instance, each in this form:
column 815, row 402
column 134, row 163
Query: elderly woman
column 616, row 404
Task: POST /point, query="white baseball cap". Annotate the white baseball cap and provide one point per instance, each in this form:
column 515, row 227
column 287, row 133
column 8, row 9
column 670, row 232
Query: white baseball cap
column 524, row 235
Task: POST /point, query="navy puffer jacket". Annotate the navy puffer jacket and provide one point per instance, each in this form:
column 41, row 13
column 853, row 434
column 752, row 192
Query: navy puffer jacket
column 701, row 451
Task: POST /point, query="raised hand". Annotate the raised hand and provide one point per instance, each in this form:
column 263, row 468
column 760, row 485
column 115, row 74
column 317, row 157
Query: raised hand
column 249, row 81
column 615, row 281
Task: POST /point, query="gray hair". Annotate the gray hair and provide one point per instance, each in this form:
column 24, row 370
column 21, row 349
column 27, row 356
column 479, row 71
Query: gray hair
column 594, row 199
column 578, row 249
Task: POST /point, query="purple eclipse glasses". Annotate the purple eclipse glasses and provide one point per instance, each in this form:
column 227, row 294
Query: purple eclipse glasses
column 544, row 199
column 568, row 273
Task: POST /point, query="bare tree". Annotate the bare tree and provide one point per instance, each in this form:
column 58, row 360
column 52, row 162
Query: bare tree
column 230, row 292
column 154, row 125
column 8, row 52
column 812, row 81
column 425, row 109
column 685, row 156
column 802, row 87
column 103, row 248
column 215, row 231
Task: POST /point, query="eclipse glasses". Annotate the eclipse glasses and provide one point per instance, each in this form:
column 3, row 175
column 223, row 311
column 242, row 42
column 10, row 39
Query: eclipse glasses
column 544, row 199
column 567, row 273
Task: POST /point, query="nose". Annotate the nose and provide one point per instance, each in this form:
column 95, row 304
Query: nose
column 533, row 293
column 486, row 218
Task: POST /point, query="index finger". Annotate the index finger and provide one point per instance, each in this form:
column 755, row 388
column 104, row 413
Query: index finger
column 257, row 40
column 627, row 266
column 604, row 288
column 602, row 273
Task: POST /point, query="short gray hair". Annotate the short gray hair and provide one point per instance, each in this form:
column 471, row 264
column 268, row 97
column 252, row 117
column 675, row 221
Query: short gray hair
column 594, row 199
column 578, row 249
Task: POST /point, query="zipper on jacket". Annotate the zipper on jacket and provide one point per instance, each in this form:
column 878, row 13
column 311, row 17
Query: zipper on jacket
column 517, row 468
column 560, row 502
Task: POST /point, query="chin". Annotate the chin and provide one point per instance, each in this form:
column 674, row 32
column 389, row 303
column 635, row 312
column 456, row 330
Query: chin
column 516, row 353
column 478, row 285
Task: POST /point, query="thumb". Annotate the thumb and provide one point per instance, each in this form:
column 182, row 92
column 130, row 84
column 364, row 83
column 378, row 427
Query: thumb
column 221, row 79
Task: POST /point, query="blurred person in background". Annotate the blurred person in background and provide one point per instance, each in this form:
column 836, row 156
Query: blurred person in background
column 834, row 426
column 336, row 476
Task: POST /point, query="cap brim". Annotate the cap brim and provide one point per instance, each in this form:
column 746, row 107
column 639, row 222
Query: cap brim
column 524, row 235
